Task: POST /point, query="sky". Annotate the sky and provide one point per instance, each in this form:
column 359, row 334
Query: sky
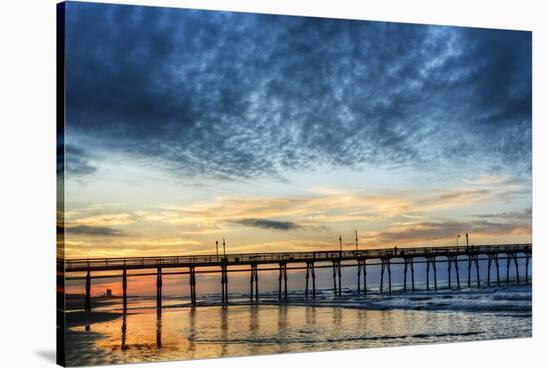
column 282, row 133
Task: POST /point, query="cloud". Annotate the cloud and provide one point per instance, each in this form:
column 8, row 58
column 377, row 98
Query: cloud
column 77, row 161
column 240, row 96
column 445, row 231
column 131, row 247
column 269, row 224
column 311, row 212
column 525, row 215
column 103, row 219
column 487, row 180
column 93, row 231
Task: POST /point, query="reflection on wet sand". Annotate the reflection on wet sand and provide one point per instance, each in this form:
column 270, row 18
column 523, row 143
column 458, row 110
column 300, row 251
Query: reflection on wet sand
column 159, row 328
column 224, row 331
column 123, row 332
column 282, row 323
column 191, row 333
column 187, row 333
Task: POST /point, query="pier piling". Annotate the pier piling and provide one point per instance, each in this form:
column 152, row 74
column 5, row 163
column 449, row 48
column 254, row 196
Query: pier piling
column 225, row 282
column 455, row 260
column 159, row 288
column 517, row 267
column 88, row 298
column 365, row 276
column 361, row 269
column 254, row 283
column 449, row 270
column 385, row 266
column 307, row 279
column 310, row 270
column 431, row 264
column 313, row 279
column 192, row 285
column 498, row 269
column 508, row 261
column 382, row 267
column 527, row 256
column 337, row 274
column 124, row 287
column 282, row 276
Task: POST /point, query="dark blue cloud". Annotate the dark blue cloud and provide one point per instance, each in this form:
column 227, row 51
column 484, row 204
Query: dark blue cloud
column 269, row 224
column 240, row 95
column 93, row 230
column 77, row 161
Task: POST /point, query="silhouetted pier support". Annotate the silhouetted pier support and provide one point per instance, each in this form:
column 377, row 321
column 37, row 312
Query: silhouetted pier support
column 385, row 265
column 337, row 272
column 88, row 298
column 225, row 282
column 124, row 288
column 490, row 259
column 431, row 263
column 283, row 275
column 512, row 256
column 473, row 259
column 310, row 269
column 453, row 261
column 361, row 268
column 517, row 267
column 409, row 265
column 159, row 288
column 527, row 257
column 192, row 285
column 254, row 282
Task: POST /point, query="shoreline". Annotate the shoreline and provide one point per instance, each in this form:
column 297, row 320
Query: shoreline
column 379, row 302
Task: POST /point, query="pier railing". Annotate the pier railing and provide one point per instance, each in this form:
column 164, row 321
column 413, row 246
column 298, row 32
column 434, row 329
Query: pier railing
column 97, row 264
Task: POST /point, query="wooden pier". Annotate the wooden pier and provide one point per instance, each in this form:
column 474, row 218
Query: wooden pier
column 430, row 257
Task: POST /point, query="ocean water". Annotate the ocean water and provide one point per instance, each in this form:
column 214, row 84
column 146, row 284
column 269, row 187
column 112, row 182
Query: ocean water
column 180, row 332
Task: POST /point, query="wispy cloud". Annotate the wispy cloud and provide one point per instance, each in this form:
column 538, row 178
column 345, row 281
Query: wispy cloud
column 77, row 161
column 525, row 215
column 101, row 219
column 93, row 231
column 444, row 231
column 269, row 224
column 318, row 209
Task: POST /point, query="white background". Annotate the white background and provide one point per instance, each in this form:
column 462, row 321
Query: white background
column 27, row 180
